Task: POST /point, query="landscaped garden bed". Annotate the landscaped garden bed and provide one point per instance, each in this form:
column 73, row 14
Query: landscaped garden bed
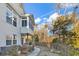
column 18, row 50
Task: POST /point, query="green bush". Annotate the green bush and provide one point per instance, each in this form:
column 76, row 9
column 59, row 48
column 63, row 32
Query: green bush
column 55, row 40
column 73, row 52
column 13, row 51
column 36, row 38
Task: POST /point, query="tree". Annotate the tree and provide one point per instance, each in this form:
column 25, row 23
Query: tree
column 60, row 28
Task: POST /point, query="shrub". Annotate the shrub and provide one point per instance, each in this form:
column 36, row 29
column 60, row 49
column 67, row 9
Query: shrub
column 55, row 40
column 13, row 51
column 74, row 52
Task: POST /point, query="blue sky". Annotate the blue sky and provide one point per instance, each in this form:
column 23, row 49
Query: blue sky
column 42, row 10
column 38, row 9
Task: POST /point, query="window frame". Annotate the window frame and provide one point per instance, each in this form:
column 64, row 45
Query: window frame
column 14, row 21
column 11, row 16
column 9, row 43
column 8, row 18
column 24, row 23
column 14, row 42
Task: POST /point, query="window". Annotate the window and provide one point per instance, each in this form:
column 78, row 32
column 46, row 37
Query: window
column 8, row 42
column 8, row 18
column 22, row 41
column 14, row 36
column 11, row 19
column 15, row 22
column 24, row 23
column 30, row 25
column 14, row 41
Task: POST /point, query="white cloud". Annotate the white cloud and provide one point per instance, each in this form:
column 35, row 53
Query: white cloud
column 45, row 18
column 53, row 17
column 49, row 20
column 37, row 20
column 70, row 12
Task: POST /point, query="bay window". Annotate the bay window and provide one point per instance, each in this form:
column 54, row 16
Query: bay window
column 24, row 23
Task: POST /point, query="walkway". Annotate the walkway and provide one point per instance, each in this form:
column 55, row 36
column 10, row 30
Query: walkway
column 35, row 52
column 44, row 51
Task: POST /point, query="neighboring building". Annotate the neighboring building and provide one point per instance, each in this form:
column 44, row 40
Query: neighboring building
column 14, row 24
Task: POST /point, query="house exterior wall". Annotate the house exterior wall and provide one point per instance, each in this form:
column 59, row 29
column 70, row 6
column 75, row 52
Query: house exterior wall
column 18, row 7
column 7, row 30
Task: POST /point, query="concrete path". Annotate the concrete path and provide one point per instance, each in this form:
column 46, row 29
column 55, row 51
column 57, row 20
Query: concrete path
column 44, row 51
column 35, row 52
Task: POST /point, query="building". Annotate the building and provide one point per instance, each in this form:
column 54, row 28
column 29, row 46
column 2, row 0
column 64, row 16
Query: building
column 27, row 28
column 14, row 24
